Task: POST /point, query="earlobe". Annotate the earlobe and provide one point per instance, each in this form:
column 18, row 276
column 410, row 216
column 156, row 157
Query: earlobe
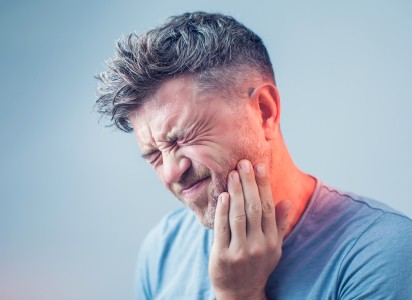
column 268, row 103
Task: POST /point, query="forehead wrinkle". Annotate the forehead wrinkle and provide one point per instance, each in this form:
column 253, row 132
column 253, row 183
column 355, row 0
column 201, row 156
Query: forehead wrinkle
column 175, row 121
column 145, row 130
column 168, row 114
column 145, row 139
column 168, row 127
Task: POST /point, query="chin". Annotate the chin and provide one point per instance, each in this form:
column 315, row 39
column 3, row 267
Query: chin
column 207, row 216
column 204, row 206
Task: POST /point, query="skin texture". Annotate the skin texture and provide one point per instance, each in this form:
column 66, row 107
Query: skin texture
column 188, row 136
column 226, row 160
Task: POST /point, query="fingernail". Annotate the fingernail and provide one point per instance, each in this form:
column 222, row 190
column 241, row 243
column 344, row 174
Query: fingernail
column 261, row 169
column 223, row 198
column 244, row 166
column 235, row 176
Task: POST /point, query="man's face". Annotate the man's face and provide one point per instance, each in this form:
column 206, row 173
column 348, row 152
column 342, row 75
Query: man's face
column 194, row 139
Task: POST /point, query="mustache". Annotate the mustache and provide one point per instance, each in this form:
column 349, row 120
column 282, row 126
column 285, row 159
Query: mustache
column 189, row 178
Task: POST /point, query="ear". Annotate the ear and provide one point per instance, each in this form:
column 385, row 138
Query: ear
column 267, row 101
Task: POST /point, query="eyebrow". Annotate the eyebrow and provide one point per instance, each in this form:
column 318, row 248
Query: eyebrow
column 174, row 135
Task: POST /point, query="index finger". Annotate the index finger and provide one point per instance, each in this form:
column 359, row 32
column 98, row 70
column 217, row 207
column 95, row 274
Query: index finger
column 221, row 224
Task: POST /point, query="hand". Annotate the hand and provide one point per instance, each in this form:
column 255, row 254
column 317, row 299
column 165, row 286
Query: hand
column 248, row 235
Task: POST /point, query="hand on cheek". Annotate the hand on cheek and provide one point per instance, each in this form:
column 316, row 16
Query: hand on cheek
column 248, row 235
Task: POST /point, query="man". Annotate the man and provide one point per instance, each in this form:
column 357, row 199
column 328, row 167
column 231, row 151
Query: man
column 199, row 94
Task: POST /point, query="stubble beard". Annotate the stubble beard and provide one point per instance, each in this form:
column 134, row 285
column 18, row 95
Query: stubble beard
column 207, row 219
column 206, row 216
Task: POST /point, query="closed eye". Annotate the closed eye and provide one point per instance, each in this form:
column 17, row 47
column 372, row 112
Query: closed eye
column 151, row 156
column 155, row 158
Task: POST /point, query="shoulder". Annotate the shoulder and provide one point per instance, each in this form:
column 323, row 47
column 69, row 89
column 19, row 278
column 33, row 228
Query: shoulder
column 348, row 199
column 355, row 211
column 366, row 221
column 379, row 263
column 376, row 262
column 346, row 247
column 355, row 199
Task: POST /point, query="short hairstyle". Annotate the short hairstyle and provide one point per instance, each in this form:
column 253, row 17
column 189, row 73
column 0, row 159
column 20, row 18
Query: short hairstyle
column 211, row 47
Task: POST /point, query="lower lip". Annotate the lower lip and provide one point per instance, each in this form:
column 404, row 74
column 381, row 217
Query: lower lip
column 196, row 187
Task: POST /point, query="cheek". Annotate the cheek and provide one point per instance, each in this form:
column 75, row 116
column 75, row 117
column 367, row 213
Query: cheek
column 159, row 173
column 215, row 157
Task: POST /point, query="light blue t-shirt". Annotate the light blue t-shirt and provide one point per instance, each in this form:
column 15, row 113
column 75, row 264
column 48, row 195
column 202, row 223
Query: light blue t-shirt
column 343, row 247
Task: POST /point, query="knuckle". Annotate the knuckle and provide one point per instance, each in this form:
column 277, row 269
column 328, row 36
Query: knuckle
column 253, row 207
column 222, row 228
column 256, row 252
column 268, row 207
column 283, row 227
column 241, row 217
column 272, row 244
column 238, row 259
column 223, row 258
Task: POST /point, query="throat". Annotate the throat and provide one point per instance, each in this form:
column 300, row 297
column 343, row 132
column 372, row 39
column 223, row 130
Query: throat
column 302, row 194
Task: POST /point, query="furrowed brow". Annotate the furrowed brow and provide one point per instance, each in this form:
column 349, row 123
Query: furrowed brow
column 171, row 138
column 175, row 135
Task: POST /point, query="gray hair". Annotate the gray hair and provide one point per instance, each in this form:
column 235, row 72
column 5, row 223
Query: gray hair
column 215, row 49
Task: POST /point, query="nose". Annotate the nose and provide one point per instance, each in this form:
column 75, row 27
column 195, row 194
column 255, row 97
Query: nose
column 173, row 167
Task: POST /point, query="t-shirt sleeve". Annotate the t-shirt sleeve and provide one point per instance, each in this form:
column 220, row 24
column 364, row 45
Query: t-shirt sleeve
column 379, row 265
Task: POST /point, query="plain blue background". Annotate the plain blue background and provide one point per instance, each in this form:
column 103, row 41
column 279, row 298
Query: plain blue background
column 76, row 200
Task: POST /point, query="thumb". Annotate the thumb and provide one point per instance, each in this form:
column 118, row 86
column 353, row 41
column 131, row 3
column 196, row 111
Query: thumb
column 282, row 212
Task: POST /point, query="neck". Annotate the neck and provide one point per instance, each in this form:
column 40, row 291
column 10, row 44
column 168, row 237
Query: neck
column 290, row 183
